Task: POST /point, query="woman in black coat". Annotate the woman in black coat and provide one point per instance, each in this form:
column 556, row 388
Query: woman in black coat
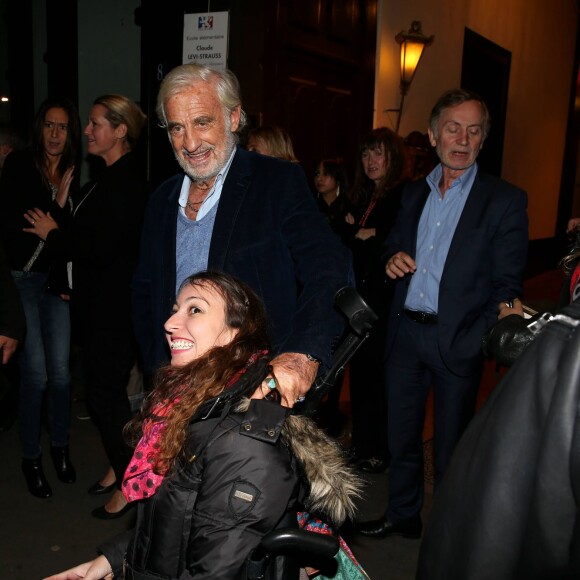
column 214, row 471
column 374, row 199
column 101, row 246
column 42, row 176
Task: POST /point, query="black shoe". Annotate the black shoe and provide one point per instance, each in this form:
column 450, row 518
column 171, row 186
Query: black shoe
column 64, row 469
column 35, row 479
column 373, row 465
column 102, row 514
column 98, row 489
column 383, row 528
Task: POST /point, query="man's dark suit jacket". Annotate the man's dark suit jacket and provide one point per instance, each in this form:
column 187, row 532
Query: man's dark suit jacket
column 484, row 266
column 269, row 233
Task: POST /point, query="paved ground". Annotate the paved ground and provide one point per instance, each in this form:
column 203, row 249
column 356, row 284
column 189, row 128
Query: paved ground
column 40, row 537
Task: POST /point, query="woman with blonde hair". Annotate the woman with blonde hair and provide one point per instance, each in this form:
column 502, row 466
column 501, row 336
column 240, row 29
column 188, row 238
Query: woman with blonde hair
column 272, row 141
column 101, row 246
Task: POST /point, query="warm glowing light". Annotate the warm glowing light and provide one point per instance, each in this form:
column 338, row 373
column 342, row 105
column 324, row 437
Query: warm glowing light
column 413, row 44
column 4, row 99
column 410, row 56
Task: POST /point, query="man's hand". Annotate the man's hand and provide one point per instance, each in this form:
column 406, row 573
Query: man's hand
column 505, row 309
column 295, row 373
column 399, row 265
column 7, row 347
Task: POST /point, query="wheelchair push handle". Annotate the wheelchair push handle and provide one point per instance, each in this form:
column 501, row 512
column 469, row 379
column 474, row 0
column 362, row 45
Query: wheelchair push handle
column 361, row 319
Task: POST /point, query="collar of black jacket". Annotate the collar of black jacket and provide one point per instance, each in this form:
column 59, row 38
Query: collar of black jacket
column 243, row 387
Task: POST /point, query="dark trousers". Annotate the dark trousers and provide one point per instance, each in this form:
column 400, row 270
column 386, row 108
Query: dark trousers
column 413, row 365
column 108, row 356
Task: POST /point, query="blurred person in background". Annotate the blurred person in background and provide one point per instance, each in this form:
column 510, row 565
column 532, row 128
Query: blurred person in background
column 9, row 141
column 272, row 141
column 330, row 181
column 374, row 201
column 12, row 328
column 101, row 246
column 42, row 176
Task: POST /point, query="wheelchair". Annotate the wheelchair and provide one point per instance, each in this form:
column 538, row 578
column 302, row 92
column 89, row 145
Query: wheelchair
column 283, row 554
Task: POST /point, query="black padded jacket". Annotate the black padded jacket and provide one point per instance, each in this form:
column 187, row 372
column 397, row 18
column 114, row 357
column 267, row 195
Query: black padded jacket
column 206, row 518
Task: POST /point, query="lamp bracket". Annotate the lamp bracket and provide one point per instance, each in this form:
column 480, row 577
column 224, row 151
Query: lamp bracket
column 415, row 34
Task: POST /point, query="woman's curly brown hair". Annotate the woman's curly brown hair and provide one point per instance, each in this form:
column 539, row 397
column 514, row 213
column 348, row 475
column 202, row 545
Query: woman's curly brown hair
column 206, row 377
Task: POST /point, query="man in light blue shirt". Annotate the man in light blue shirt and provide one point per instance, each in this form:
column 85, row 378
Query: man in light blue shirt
column 443, row 211
column 456, row 257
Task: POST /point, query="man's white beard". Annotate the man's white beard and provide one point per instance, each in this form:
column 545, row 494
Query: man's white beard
column 217, row 165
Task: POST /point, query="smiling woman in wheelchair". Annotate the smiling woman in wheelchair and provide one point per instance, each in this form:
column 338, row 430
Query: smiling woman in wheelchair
column 214, row 471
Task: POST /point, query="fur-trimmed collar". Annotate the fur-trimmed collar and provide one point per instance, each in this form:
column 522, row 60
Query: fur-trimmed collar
column 334, row 485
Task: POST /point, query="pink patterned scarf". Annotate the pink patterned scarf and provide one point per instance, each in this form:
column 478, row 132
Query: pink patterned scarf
column 140, row 481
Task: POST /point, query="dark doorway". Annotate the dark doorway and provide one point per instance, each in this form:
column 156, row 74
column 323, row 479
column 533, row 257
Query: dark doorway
column 486, row 70
column 321, row 58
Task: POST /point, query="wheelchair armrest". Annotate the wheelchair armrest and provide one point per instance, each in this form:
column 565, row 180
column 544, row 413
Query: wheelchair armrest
column 292, row 541
column 301, row 547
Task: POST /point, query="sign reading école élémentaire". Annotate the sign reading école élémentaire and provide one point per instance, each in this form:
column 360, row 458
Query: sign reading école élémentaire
column 205, row 39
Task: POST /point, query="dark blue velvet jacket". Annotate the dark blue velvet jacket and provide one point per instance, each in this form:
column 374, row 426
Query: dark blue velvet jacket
column 269, row 233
